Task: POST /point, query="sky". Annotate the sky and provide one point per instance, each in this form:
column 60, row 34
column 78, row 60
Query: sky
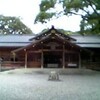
column 27, row 11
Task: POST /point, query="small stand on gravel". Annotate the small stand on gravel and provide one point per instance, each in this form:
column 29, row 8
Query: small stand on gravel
column 53, row 76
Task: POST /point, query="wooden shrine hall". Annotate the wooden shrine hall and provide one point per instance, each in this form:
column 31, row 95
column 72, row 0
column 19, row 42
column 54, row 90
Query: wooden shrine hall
column 50, row 49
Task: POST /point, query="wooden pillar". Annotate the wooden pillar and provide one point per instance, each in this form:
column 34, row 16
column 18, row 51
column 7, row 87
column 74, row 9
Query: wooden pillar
column 79, row 60
column 63, row 57
column 14, row 57
column 0, row 67
column 0, row 64
column 42, row 59
column 25, row 59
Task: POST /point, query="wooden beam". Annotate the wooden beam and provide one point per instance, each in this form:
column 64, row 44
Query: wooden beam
column 79, row 60
column 48, row 50
column 14, row 56
column 35, row 51
column 63, row 56
column 0, row 64
column 42, row 58
column 25, row 59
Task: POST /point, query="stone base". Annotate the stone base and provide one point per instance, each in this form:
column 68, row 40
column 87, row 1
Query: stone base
column 53, row 76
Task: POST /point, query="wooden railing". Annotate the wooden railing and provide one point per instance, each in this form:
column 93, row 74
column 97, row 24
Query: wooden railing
column 12, row 64
column 92, row 65
column 36, row 64
column 20, row 64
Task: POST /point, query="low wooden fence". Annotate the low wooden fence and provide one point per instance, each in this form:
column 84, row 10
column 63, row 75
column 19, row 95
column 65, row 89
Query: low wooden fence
column 92, row 65
column 12, row 64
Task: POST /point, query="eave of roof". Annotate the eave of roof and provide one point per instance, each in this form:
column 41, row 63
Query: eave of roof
column 33, row 44
column 89, row 45
column 10, row 44
column 92, row 41
column 15, row 38
column 87, row 38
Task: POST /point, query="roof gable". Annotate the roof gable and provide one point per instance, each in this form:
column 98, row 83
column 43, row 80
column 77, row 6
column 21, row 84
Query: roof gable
column 50, row 38
column 52, row 31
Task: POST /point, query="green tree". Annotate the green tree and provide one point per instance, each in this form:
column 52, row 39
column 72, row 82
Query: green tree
column 89, row 10
column 13, row 25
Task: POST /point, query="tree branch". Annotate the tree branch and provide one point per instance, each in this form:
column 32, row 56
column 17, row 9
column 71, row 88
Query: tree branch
column 85, row 11
column 78, row 14
column 91, row 3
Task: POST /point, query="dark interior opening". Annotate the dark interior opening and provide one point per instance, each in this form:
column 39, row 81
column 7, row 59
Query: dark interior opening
column 52, row 60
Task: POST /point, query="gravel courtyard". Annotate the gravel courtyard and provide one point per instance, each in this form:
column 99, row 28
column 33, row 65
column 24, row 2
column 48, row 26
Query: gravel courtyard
column 35, row 86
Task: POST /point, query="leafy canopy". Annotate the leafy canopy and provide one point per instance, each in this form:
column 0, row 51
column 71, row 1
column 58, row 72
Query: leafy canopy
column 13, row 25
column 89, row 10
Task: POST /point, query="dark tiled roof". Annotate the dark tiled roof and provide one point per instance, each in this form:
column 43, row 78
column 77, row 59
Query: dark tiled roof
column 92, row 41
column 23, row 40
column 14, row 40
column 86, row 38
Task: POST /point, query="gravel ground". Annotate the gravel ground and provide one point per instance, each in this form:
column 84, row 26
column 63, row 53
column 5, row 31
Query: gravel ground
column 35, row 86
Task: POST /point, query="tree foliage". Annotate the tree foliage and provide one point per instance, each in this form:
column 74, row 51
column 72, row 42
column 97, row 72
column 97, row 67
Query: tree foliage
column 12, row 25
column 89, row 10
